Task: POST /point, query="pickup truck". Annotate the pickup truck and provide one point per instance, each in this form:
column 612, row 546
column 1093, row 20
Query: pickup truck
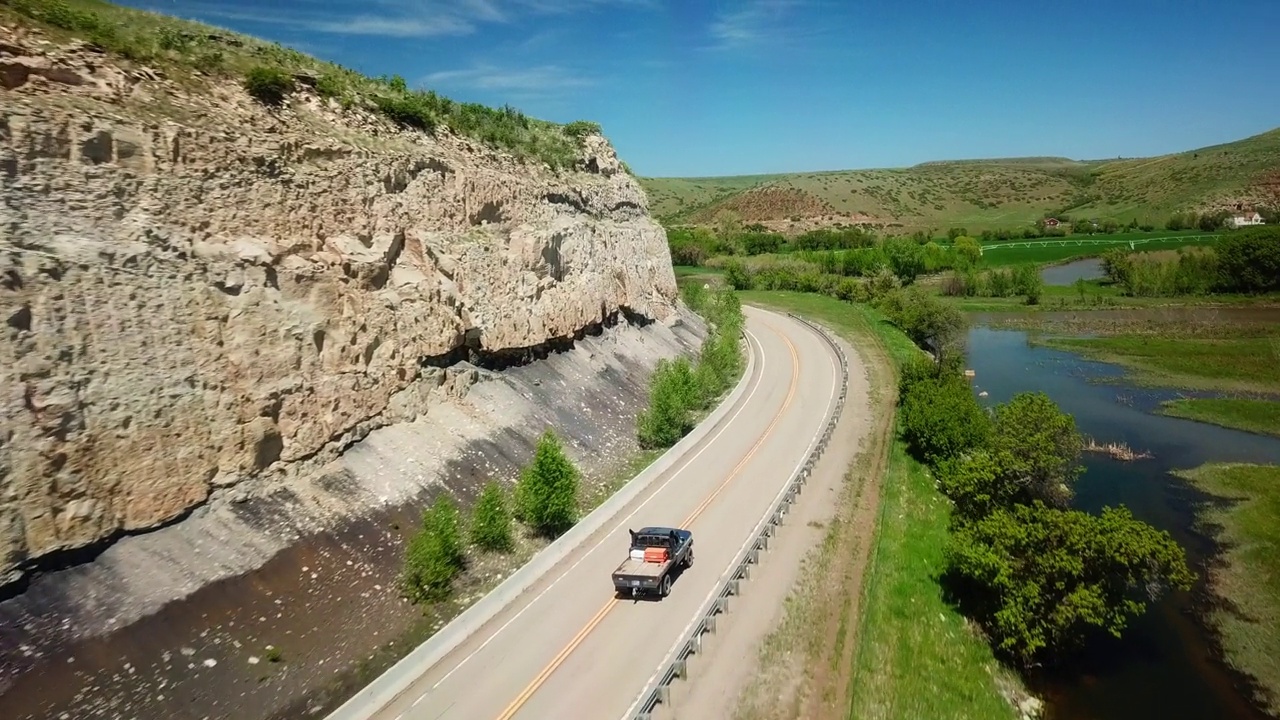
column 655, row 552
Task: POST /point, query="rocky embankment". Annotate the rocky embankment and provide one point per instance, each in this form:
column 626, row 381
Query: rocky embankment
column 232, row 328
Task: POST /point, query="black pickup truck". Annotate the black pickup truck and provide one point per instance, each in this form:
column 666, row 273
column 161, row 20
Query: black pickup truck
column 666, row 548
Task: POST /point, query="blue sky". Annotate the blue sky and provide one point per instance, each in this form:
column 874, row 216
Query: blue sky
column 721, row 87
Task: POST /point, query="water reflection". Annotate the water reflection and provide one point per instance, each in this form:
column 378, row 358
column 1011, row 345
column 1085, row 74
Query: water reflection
column 1066, row 274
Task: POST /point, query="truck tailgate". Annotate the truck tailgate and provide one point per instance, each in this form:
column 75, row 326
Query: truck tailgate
column 640, row 568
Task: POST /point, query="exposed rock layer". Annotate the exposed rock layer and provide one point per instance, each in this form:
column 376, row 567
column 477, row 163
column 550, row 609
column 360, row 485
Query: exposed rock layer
column 197, row 304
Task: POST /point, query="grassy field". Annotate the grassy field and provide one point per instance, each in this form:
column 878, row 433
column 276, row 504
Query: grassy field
column 1227, row 358
column 984, row 194
column 1247, row 526
column 908, row 653
column 1258, row 416
column 1056, row 250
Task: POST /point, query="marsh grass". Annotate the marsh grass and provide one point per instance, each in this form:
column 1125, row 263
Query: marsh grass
column 1246, row 524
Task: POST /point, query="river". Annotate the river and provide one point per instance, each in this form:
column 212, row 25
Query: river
column 1166, row 665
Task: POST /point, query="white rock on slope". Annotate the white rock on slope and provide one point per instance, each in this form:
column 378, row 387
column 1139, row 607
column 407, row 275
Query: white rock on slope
column 191, row 304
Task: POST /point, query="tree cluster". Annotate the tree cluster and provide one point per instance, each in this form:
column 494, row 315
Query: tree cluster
column 693, row 246
column 679, row 389
column 1241, row 261
column 545, row 500
column 1024, row 280
column 1039, row 577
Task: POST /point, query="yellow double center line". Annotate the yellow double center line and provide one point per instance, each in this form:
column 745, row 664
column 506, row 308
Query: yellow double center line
column 600, row 615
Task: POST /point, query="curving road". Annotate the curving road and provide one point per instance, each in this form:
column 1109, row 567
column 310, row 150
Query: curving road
column 567, row 648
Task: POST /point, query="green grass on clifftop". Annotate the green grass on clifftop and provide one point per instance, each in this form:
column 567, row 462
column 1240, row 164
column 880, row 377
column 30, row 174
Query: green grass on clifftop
column 195, row 54
column 982, row 194
column 1247, row 527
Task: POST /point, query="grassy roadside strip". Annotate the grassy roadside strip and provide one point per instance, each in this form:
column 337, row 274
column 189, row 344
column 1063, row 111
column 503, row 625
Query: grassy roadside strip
column 907, row 653
column 1256, row 416
column 1246, row 524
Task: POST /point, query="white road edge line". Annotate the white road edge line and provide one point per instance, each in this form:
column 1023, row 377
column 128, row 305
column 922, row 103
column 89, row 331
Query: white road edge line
column 620, row 523
column 835, row 381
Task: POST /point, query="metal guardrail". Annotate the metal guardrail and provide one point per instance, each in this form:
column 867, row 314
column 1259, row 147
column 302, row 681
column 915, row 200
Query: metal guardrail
column 658, row 691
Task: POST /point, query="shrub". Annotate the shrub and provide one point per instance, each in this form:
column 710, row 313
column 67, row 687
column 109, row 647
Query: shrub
column 736, row 274
column 434, row 555
column 1038, row 445
column 580, row 129
column 1039, row 580
column 1249, row 260
column 331, row 85
column 673, row 396
column 491, row 521
column 677, row 389
column 268, row 85
column 942, row 419
column 546, row 495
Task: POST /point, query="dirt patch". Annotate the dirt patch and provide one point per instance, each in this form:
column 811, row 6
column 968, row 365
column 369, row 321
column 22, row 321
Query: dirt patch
column 768, row 203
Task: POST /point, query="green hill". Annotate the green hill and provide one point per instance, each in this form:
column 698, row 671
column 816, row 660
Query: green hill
column 987, row 193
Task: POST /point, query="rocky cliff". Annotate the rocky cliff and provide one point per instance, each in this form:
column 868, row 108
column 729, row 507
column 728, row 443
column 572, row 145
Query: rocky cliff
column 201, row 292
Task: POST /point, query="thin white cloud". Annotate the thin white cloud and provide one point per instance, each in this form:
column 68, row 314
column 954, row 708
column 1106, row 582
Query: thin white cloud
column 336, row 24
column 541, row 80
column 393, row 18
column 751, row 22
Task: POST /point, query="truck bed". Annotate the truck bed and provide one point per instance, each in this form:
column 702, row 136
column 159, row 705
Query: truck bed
column 640, row 568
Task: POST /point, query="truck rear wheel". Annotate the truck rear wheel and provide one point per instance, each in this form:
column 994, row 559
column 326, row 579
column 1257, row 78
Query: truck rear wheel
column 666, row 585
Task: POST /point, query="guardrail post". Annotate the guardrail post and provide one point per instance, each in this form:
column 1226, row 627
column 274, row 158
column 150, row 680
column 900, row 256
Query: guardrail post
column 664, row 694
column 681, row 668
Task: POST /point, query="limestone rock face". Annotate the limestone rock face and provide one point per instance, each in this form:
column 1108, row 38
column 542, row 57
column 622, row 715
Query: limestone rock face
column 198, row 298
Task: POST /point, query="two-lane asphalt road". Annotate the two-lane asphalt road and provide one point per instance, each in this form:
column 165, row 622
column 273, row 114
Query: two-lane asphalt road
column 568, row 648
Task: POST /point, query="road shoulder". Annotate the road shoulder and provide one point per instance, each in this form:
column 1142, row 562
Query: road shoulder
column 720, row 677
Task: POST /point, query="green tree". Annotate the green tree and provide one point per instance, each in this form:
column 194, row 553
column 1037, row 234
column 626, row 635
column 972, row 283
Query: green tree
column 967, row 250
column 1039, row 580
column 1038, row 448
column 546, row 495
column 1027, row 281
column 1249, row 260
column 434, row 555
column 491, row 520
column 906, row 258
column 927, row 320
column 976, row 485
column 737, row 275
column 942, row 419
column 674, row 392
